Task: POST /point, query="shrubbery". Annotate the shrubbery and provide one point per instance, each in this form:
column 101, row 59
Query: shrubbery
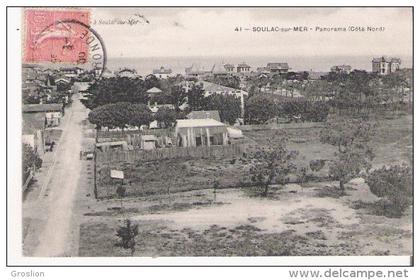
column 316, row 164
column 262, row 107
column 30, row 160
column 307, row 110
column 394, row 184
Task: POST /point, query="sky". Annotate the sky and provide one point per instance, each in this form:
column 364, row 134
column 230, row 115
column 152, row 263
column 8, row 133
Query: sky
column 173, row 32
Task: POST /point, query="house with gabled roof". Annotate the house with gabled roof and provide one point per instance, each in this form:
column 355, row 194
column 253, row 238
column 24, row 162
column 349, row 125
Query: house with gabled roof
column 200, row 132
column 162, row 72
column 385, row 65
column 278, row 67
column 243, row 68
column 211, row 114
column 53, row 112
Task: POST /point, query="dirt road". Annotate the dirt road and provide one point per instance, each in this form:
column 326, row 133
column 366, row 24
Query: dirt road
column 52, row 229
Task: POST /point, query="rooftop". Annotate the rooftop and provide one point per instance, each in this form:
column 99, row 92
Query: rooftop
column 204, row 115
column 386, row 59
column 277, row 65
column 198, row 123
column 244, row 65
column 32, row 122
column 154, row 90
column 212, row 87
column 162, row 70
column 127, row 70
column 219, row 69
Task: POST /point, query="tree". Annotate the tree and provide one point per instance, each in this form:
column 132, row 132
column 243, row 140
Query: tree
column 151, row 81
column 140, row 115
column 30, row 160
column 354, row 153
column 229, row 106
column 317, row 90
column 166, row 116
column 120, row 115
column 116, row 89
column 308, row 111
column 260, row 108
column 393, row 183
column 179, row 96
column 121, row 191
column 316, row 164
column 128, row 234
column 394, row 84
column 196, row 98
column 111, row 115
column 270, row 162
column 227, row 81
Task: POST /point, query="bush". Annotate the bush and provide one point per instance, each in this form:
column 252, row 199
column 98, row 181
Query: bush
column 260, row 108
column 316, row 164
column 309, row 111
column 393, row 184
column 127, row 235
column 30, row 161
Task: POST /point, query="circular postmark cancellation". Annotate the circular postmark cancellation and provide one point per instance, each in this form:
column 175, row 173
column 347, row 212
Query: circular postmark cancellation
column 64, row 38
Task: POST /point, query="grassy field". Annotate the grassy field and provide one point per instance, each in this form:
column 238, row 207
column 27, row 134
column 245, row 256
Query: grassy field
column 166, row 176
column 392, row 142
column 179, row 214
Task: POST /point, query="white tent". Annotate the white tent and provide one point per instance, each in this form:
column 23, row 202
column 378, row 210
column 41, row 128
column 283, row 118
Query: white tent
column 234, row 133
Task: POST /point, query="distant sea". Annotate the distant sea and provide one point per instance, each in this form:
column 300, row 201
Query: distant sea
column 145, row 65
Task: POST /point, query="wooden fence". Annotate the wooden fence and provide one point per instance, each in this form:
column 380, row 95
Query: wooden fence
column 169, row 153
column 104, row 136
column 303, row 125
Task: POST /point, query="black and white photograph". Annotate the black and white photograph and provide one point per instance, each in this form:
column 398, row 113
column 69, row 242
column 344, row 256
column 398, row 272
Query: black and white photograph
column 152, row 133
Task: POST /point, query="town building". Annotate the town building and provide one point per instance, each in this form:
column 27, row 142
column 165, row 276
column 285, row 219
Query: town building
column 263, row 70
column 212, row 114
column 230, row 68
column 384, row 65
column 278, row 67
column 62, row 82
column 162, row 72
column 53, row 112
column 71, row 72
column 341, row 69
column 127, row 73
column 219, row 70
column 243, row 68
column 33, row 131
column 196, row 72
column 200, row 132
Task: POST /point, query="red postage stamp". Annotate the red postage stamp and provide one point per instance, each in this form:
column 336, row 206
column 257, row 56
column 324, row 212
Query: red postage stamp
column 50, row 38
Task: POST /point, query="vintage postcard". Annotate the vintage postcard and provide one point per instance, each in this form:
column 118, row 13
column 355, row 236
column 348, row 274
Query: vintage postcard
column 217, row 132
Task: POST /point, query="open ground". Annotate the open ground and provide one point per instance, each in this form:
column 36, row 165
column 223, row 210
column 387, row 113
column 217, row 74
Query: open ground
column 185, row 216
